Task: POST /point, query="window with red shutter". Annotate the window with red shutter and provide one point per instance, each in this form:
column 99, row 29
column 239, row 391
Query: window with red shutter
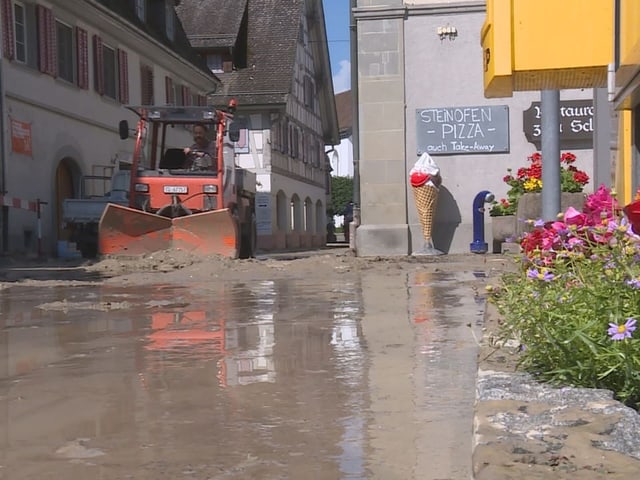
column 123, row 76
column 7, row 30
column 82, row 58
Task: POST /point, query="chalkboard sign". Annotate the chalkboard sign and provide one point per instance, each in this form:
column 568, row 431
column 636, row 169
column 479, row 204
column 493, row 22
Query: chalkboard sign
column 462, row 130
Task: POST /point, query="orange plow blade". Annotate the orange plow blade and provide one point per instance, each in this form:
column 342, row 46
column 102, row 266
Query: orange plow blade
column 126, row 231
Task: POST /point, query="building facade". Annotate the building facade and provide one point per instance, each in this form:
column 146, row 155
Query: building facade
column 68, row 67
column 273, row 58
column 420, row 88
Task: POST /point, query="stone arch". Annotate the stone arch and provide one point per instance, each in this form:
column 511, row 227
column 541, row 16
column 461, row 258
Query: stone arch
column 321, row 218
column 308, row 215
column 297, row 224
column 282, row 215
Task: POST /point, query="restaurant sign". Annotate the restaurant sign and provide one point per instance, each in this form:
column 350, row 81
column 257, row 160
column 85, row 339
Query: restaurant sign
column 576, row 124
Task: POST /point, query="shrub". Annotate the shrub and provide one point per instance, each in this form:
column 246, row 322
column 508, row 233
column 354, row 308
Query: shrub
column 574, row 304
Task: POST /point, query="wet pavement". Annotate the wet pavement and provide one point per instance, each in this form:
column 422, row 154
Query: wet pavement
column 370, row 378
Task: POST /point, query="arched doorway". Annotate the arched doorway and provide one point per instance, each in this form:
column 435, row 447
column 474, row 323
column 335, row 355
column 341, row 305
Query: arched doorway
column 67, row 181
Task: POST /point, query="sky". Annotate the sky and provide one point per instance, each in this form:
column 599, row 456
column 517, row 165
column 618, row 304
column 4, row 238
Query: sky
column 336, row 15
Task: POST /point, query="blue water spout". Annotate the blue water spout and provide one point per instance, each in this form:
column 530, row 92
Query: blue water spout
column 479, row 245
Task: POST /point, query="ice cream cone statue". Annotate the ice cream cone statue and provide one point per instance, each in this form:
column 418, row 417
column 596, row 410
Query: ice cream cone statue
column 425, row 182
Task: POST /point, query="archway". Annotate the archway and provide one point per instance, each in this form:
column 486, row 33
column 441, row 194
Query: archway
column 67, row 186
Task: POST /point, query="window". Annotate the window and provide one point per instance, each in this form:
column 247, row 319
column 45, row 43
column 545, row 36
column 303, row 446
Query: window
column 109, row 71
column 309, row 92
column 169, row 15
column 64, row 36
column 214, row 62
column 141, row 9
column 20, row 29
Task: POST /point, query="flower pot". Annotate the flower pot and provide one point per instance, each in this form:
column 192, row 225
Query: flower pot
column 503, row 228
column 530, row 207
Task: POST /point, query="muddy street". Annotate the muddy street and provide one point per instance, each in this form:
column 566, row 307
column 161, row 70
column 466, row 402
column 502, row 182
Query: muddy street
column 323, row 368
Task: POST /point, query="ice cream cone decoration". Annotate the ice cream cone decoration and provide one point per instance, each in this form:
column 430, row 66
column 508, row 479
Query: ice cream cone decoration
column 425, row 180
column 426, row 199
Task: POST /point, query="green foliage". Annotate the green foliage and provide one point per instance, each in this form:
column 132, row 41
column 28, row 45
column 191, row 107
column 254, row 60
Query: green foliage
column 341, row 194
column 573, row 306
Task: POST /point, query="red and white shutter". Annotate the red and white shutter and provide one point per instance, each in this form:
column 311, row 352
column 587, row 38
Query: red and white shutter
column 8, row 45
column 82, row 55
column 47, row 48
column 52, row 44
column 98, row 61
column 123, row 75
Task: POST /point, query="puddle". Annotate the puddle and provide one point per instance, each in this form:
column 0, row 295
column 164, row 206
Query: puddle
column 371, row 378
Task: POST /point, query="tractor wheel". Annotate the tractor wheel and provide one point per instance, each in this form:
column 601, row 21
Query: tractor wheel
column 249, row 238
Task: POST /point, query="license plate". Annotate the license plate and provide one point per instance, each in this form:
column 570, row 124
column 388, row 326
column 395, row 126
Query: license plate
column 175, row 189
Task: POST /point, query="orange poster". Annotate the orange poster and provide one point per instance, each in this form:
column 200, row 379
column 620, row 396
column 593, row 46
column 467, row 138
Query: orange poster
column 21, row 137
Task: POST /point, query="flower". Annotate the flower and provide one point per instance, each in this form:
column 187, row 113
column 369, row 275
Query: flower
column 620, row 332
column 529, row 179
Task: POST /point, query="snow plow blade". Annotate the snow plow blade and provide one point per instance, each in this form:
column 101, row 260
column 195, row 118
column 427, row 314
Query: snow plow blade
column 125, row 231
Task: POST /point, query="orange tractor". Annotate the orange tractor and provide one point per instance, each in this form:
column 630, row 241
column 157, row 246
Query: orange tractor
column 176, row 202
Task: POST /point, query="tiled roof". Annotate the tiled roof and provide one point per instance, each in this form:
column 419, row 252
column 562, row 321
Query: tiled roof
column 273, row 27
column 207, row 29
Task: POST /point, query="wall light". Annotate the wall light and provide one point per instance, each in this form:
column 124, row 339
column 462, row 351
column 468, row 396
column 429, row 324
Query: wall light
column 447, row 32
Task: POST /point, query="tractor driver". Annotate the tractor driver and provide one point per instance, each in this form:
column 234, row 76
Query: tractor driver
column 202, row 154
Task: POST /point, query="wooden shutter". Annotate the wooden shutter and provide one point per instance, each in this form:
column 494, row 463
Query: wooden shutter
column 47, row 47
column 82, row 56
column 8, row 45
column 170, row 94
column 202, row 100
column 52, row 44
column 123, row 77
column 186, row 96
column 146, row 85
column 98, row 62
column 42, row 38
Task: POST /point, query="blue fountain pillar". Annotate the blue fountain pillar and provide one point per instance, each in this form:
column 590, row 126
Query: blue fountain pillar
column 479, row 245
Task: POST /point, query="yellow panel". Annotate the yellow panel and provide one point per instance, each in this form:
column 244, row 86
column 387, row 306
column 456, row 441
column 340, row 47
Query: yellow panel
column 552, row 34
column 495, row 39
column 629, row 42
column 546, row 44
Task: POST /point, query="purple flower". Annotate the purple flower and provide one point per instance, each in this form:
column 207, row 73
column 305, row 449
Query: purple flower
column 620, row 332
column 543, row 275
column 538, row 223
column 634, row 282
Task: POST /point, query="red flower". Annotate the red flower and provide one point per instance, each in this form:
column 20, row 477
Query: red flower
column 567, row 158
column 581, row 177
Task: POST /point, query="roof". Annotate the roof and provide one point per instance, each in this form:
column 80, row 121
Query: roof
column 344, row 108
column 272, row 29
column 211, row 30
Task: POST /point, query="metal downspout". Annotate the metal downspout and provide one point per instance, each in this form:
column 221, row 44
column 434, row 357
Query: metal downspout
column 355, row 128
